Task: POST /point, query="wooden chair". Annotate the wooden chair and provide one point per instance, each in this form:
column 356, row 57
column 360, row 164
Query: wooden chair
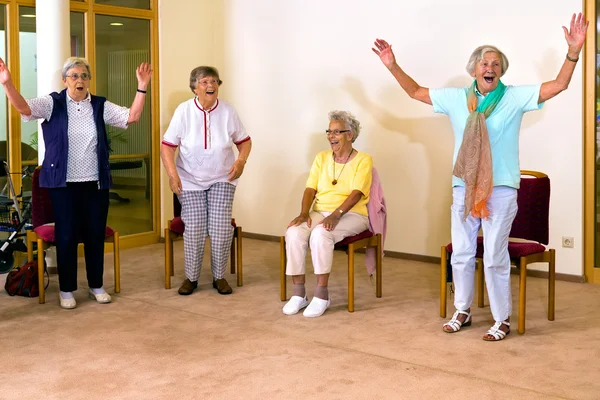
column 350, row 244
column 528, row 235
column 175, row 230
column 43, row 233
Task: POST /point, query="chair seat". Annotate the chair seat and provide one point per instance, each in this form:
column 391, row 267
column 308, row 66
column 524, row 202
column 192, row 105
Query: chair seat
column 46, row 232
column 178, row 226
column 351, row 239
column 515, row 249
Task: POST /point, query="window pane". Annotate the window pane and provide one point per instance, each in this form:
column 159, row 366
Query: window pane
column 28, row 69
column 120, row 49
column 145, row 4
column 3, row 100
column 77, row 35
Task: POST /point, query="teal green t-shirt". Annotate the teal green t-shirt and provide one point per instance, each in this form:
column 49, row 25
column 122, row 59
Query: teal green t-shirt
column 503, row 126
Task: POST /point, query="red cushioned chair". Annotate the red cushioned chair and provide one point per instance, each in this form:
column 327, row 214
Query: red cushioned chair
column 43, row 232
column 528, row 236
column 175, row 231
column 349, row 245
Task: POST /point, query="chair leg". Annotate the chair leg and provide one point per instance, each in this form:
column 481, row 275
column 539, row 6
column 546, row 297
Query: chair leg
column 480, row 283
column 168, row 258
column 378, row 278
column 351, row 277
column 240, row 275
column 30, row 239
column 443, row 283
column 117, row 262
column 282, row 262
column 40, row 260
column 522, row 294
column 232, row 252
column 551, row 284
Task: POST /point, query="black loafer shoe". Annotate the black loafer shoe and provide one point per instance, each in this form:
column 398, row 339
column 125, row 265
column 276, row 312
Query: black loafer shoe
column 187, row 287
column 222, row 286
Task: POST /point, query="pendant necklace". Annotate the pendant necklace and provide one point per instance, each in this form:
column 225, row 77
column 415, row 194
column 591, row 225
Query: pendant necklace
column 335, row 181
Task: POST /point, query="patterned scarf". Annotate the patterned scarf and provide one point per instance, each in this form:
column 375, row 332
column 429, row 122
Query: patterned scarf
column 474, row 161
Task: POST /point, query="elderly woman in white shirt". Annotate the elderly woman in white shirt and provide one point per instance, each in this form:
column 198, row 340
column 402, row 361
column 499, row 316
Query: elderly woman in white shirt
column 75, row 168
column 204, row 175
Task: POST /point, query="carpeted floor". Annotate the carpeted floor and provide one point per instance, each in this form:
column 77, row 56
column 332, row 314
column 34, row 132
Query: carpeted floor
column 151, row 343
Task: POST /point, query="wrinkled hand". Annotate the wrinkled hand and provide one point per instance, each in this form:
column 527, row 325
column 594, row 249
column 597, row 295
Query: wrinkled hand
column 330, row 222
column 143, row 74
column 385, row 53
column 300, row 219
column 175, row 184
column 4, row 72
column 575, row 36
column 236, row 169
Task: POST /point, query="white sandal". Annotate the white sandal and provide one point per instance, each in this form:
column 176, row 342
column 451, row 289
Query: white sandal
column 455, row 324
column 496, row 332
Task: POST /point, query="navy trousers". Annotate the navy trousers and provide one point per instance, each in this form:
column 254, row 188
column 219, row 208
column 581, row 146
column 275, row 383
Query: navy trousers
column 80, row 213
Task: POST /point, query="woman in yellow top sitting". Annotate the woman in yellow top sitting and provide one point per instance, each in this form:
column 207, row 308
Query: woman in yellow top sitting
column 338, row 184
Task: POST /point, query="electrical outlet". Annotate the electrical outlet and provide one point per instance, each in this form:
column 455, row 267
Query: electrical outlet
column 568, row 242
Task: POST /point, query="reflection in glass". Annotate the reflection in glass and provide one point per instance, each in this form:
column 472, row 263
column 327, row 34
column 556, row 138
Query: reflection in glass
column 3, row 101
column 122, row 44
column 597, row 213
column 144, row 4
column 28, row 81
column 77, row 35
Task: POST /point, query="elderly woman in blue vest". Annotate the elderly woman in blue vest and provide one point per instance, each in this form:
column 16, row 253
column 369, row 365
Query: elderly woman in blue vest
column 76, row 168
column 486, row 118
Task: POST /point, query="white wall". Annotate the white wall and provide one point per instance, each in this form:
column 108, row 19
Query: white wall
column 286, row 64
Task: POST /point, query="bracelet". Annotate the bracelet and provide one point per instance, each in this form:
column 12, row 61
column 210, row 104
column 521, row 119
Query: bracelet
column 572, row 59
column 341, row 211
column 143, row 91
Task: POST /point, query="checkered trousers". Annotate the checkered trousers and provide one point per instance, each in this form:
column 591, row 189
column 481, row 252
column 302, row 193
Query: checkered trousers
column 207, row 213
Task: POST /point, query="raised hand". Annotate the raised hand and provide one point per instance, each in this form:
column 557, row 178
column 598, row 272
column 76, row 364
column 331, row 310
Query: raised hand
column 385, row 53
column 143, row 74
column 575, row 35
column 4, row 72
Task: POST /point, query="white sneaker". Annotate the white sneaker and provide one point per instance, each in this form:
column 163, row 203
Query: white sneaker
column 67, row 304
column 295, row 304
column 317, row 307
column 101, row 298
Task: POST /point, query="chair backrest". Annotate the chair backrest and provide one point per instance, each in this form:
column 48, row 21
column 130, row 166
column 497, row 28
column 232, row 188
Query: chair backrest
column 533, row 199
column 176, row 206
column 41, row 205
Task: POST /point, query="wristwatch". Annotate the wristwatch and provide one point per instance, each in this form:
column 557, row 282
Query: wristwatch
column 341, row 211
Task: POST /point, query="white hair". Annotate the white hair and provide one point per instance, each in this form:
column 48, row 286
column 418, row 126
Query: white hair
column 478, row 54
column 73, row 62
column 349, row 119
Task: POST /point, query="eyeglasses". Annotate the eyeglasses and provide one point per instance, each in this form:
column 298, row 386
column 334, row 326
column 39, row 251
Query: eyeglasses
column 336, row 131
column 76, row 76
column 206, row 82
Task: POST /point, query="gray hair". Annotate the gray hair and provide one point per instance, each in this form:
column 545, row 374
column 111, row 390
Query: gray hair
column 202, row 72
column 73, row 62
column 478, row 54
column 349, row 119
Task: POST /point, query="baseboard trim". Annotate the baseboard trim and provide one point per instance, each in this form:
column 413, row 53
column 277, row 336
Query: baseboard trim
column 432, row 260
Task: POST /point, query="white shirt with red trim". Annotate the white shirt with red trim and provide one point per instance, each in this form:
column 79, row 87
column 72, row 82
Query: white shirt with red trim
column 205, row 139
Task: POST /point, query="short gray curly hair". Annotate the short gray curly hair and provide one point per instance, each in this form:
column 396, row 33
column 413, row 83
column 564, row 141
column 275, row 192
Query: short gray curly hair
column 478, row 54
column 202, row 72
column 349, row 119
column 73, row 62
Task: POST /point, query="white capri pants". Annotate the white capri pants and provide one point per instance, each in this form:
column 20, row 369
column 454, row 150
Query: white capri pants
column 502, row 206
column 297, row 239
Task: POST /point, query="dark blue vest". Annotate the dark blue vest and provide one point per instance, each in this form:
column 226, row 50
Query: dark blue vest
column 56, row 139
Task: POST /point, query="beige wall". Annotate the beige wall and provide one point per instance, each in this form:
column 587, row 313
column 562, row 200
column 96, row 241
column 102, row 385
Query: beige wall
column 286, row 64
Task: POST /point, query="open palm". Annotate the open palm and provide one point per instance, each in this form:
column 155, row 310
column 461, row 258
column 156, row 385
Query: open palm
column 384, row 51
column 575, row 36
column 4, row 73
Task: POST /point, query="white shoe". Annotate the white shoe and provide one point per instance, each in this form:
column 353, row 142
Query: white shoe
column 67, row 304
column 101, row 298
column 295, row 304
column 317, row 307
